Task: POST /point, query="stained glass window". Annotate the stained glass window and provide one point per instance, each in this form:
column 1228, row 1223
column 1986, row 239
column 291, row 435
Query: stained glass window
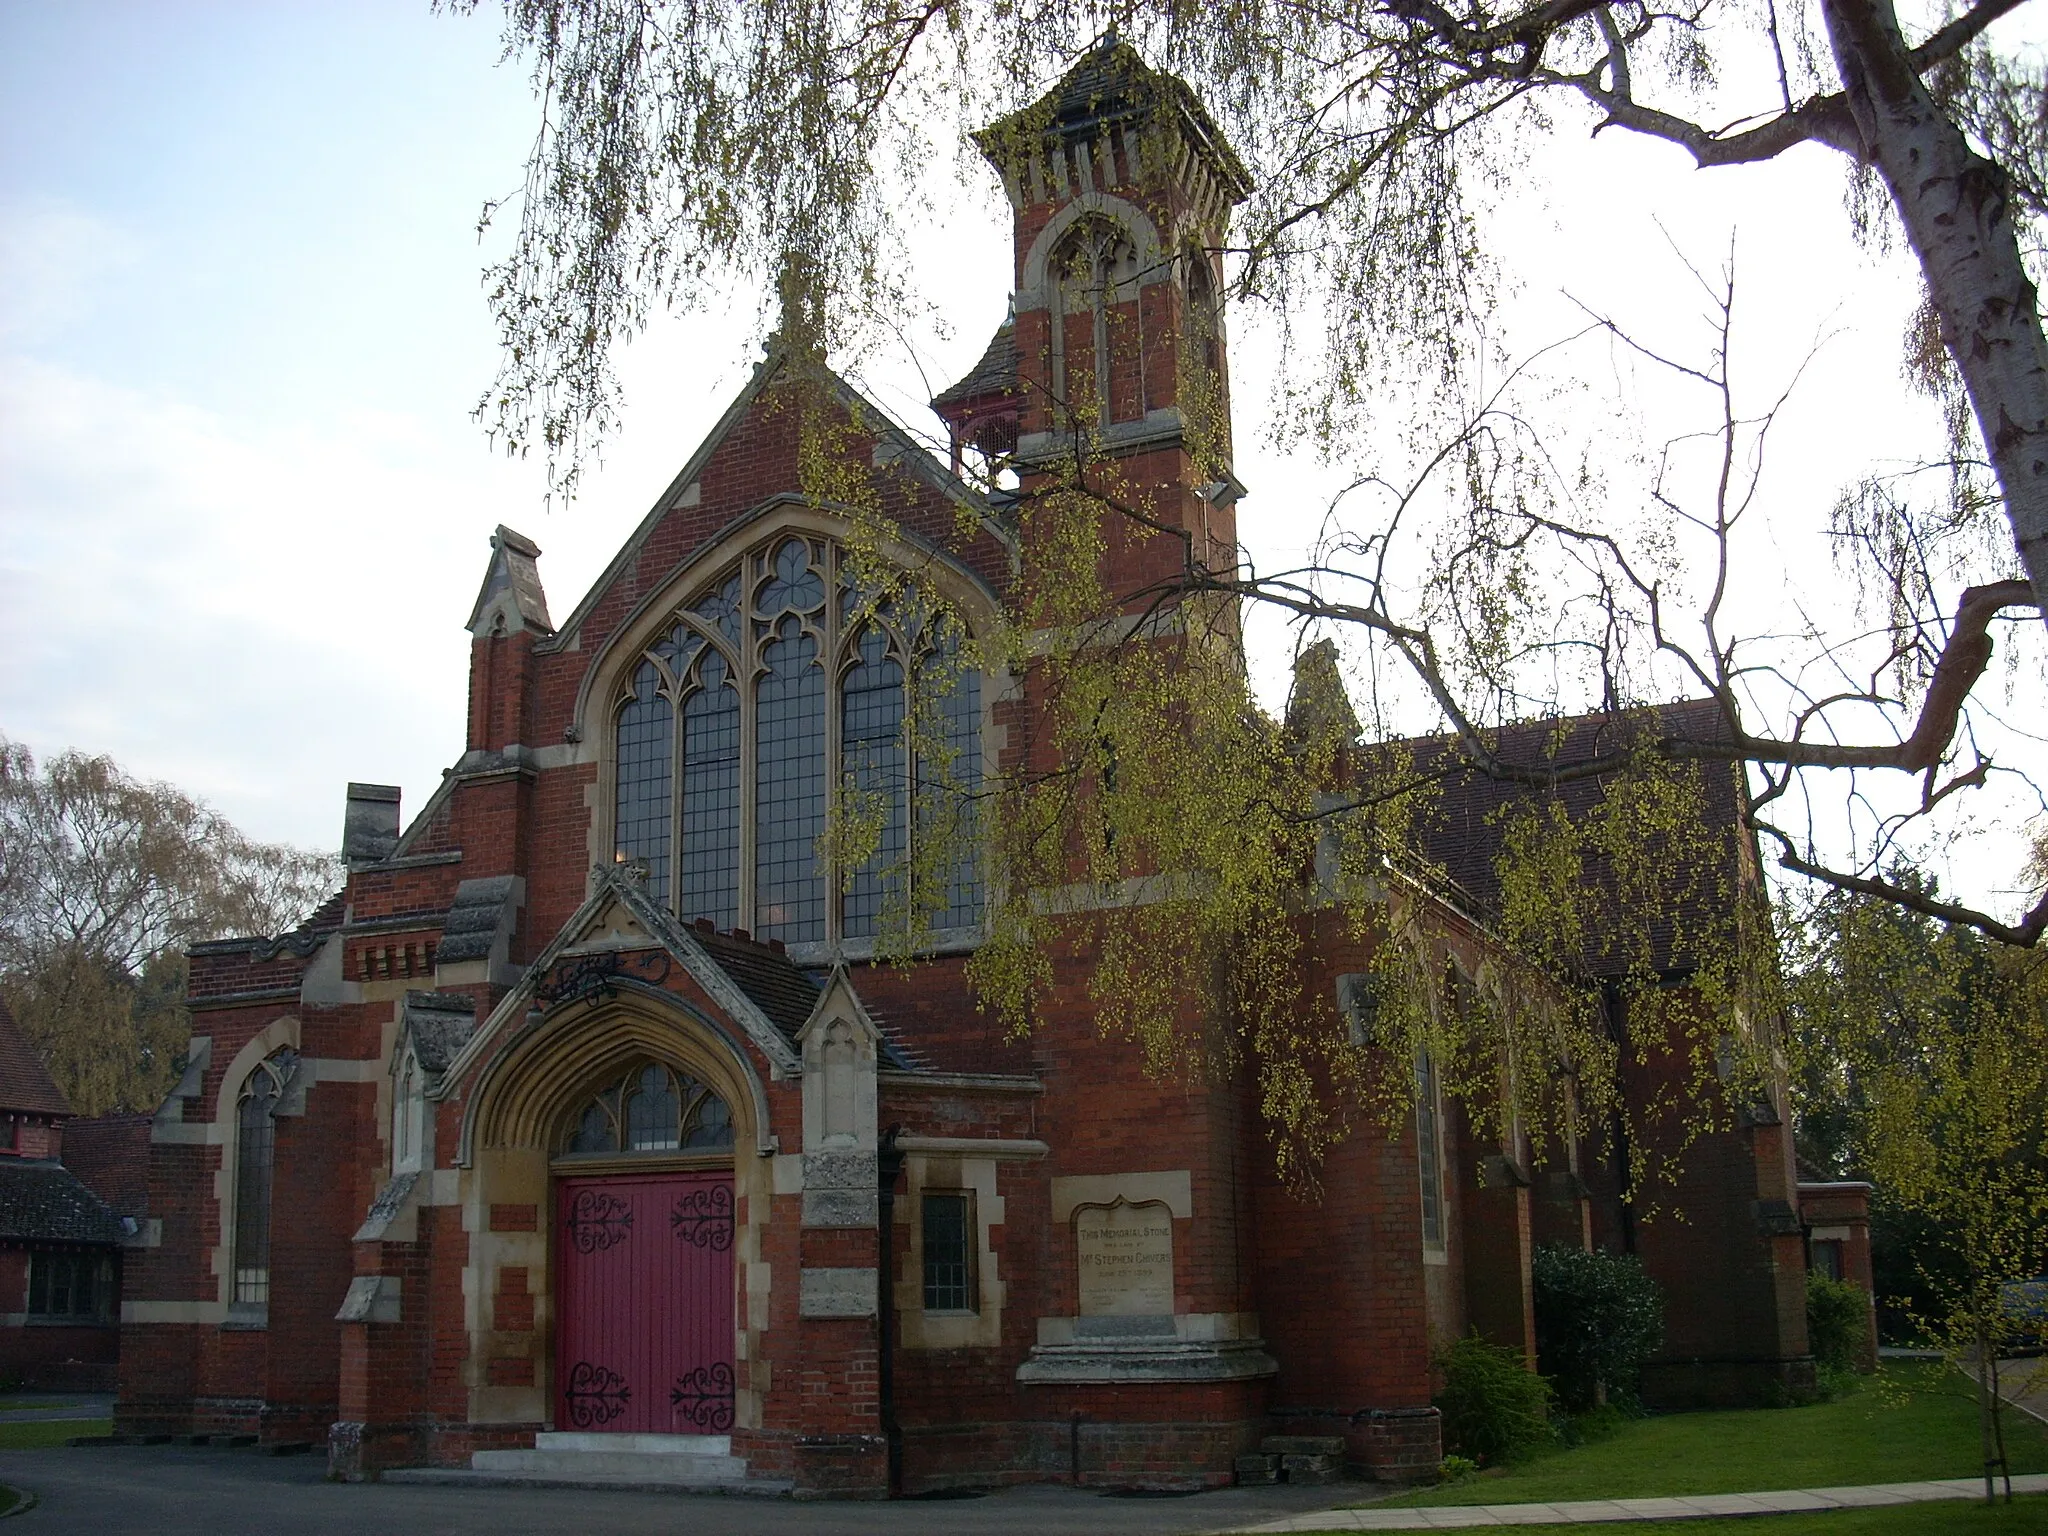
column 646, row 726
column 722, row 783
column 652, row 1108
column 872, row 752
column 789, row 792
column 948, row 787
column 711, row 798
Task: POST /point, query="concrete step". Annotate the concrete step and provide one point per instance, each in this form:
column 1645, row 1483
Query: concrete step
column 469, row 1477
column 652, row 1445
column 664, row 1466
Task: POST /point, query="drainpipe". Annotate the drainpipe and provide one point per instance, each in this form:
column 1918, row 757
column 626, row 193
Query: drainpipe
column 888, row 1167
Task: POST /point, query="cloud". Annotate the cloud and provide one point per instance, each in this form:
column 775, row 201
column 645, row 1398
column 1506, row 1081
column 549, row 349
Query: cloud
column 55, row 261
column 256, row 614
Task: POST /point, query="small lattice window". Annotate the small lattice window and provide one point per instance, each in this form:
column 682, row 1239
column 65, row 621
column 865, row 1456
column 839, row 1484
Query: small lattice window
column 948, row 1236
column 75, row 1286
column 652, row 1109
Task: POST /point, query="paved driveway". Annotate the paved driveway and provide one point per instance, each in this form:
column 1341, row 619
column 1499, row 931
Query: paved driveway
column 180, row 1491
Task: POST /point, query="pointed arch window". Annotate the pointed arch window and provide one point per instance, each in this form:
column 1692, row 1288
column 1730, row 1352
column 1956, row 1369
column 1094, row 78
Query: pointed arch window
column 1094, row 366
column 255, row 1170
column 801, row 698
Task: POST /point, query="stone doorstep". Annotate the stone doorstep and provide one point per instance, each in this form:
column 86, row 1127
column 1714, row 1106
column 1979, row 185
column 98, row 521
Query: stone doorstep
column 644, row 1445
column 641, row 1466
column 467, row 1477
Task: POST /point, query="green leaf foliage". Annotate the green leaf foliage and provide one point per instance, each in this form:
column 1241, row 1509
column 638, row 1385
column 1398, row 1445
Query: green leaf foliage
column 1494, row 1407
column 1837, row 1322
column 1599, row 1316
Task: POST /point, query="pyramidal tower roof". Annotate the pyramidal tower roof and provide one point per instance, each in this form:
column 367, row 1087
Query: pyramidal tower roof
column 1112, row 87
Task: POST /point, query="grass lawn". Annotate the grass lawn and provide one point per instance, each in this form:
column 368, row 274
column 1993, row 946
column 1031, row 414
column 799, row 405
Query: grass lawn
column 8, row 1498
column 1912, row 1422
column 42, row 1434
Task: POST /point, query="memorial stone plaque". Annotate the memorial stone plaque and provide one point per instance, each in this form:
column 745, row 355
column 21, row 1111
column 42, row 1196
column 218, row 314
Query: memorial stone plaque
column 1126, row 1257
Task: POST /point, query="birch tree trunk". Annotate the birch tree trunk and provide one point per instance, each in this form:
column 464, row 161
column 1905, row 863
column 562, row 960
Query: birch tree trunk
column 1958, row 215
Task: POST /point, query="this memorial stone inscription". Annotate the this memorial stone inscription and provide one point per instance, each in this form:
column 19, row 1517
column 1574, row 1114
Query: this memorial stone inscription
column 1126, row 1257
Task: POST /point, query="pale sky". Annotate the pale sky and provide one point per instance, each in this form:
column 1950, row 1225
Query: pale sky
column 243, row 506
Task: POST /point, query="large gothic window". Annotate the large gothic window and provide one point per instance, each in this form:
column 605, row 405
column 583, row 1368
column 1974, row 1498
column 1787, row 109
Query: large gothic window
column 652, row 1109
column 782, row 701
column 255, row 1166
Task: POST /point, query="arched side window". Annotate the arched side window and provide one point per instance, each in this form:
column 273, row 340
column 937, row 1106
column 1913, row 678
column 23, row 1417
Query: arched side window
column 1201, row 389
column 799, row 698
column 652, row 1109
column 1096, row 366
column 255, row 1169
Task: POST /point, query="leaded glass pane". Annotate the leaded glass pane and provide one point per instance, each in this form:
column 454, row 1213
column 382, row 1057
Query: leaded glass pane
column 948, row 1271
column 594, row 1132
column 948, row 790
column 646, row 727
column 872, row 770
column 652, row 1113
column 710, row 1123
column 722, row 608
column 711, row 798
column 1429, row 1148
column 789, row 790
column 796, row 586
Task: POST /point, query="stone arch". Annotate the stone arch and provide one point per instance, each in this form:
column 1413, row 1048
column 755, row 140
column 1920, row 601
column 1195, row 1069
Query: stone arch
column 517, row 1107
column 521, row 1094
column 1035, row 284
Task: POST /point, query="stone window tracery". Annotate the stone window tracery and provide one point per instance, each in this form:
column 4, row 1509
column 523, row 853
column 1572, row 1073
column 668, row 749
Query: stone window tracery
column 802, row 699
column 652, row 1108
column 1094, row 269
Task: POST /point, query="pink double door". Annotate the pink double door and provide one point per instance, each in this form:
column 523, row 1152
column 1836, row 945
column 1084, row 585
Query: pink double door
column 645, row 1288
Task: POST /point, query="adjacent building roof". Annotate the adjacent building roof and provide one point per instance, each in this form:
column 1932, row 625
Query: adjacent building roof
column 110, row 1156
column 44, row 1202
column 1463, row 833
column 25, row 1085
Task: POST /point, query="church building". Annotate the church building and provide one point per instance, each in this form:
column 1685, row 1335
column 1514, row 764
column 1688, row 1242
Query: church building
column 592, row 1133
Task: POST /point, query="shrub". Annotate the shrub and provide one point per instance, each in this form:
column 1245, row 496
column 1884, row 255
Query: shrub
column 1494, row 1408
column 1599, row 1316
column 1452, row 1468
column 1837, row 1322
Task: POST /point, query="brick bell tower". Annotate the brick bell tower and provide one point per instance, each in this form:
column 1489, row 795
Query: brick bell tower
column 1110, row 381
column 1113, row 369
